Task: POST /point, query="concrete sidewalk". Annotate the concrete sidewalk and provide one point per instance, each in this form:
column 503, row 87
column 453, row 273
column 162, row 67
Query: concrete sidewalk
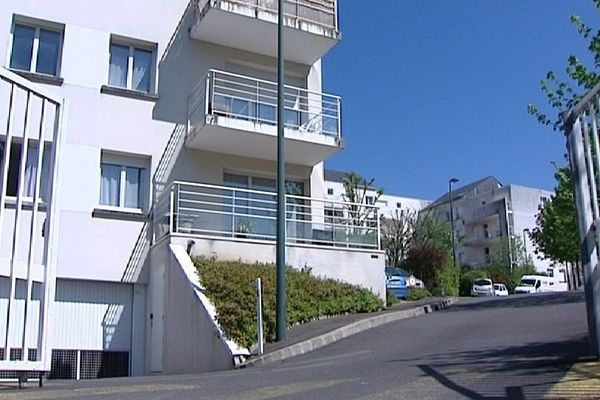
column 313, row 335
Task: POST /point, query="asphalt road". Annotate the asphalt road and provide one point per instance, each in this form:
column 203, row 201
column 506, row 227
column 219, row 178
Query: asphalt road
column 502, row 348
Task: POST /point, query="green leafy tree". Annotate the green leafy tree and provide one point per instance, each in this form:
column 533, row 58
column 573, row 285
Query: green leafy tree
column 429, row 255
column 556, row 233
column 563, row 92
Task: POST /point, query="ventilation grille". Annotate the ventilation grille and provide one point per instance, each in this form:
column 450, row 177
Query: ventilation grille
column 15, row 354
column 93, row 364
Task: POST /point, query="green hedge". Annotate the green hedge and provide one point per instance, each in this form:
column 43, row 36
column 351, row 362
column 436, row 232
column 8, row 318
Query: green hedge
column 417, row 293
column 230, row 285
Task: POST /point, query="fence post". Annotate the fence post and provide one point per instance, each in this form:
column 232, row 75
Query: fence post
column 259, row 316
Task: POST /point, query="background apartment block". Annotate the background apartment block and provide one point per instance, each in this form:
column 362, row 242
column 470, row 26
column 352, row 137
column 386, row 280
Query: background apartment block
column 486, row 214
column 168, row 147
column 388, row 204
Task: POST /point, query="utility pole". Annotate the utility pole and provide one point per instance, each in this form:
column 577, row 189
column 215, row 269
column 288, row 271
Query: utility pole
column 280, row 324
column 450, row 182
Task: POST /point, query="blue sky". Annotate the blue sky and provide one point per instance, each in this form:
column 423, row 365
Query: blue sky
column 435, row 89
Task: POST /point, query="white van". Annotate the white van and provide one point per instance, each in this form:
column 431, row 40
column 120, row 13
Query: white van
column 540, row 283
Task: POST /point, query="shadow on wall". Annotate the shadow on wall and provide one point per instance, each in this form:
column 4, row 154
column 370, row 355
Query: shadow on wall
column 180, row 70
column 104, row 304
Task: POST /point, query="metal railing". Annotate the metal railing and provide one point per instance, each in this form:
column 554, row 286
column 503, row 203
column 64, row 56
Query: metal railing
column 224, row 94
column 229, row 212
column 298, row 13
column 581, row 125
column 32, row 115
column 485, row 237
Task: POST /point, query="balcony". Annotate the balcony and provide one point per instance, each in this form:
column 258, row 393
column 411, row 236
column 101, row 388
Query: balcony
column 482, row 239
column 487, row 212
column 235, row 114
column 221, row 212
column 310, row 26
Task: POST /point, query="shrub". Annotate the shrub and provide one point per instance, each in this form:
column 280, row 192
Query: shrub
column 230, row 286
column 447, row 280
column 390, row 298
column 417, row 293
column 467, row 276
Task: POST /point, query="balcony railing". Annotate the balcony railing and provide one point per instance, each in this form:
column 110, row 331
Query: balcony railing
column 297, row 13
column 226, row 212
column 485, row 237
column 223, row 94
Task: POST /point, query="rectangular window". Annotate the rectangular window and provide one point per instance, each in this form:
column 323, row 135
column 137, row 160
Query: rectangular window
column 14, row 162
column 369, row 200
column 330, row 191
column 131, row 66
column 36, row 48
column 123, row 182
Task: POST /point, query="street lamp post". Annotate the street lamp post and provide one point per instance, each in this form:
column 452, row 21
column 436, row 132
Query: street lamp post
column 450, row 182
column 526, row 230
column 280, row 317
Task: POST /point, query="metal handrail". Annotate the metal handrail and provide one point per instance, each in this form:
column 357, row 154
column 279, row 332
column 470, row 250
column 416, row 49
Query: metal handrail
column 219, row 94
column 184, row 204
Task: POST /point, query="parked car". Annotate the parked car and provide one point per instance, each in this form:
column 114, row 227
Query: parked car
column 396, row 282
column 482, row 287
column 500, row 289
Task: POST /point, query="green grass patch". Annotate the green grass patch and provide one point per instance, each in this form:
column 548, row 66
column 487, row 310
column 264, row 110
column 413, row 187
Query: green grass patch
column 230, row 286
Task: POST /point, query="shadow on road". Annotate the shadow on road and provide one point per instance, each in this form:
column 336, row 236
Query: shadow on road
column 518, row 372
column 520, row 300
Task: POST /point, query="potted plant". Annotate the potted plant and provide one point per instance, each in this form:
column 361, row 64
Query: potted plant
column 243, row 229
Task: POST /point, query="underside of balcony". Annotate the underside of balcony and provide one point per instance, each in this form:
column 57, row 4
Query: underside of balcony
column 310, row 27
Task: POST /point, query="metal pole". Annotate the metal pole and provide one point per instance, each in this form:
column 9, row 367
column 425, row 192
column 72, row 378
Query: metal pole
column 450, row 182
column 280, row 323
column 525, row 243
column 259, row 317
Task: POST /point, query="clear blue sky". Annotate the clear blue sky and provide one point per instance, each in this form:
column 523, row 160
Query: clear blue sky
column 439, row 89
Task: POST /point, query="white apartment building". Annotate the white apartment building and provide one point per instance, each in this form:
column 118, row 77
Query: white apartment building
column 158, row 119
column 486, row 213
column 389, row 204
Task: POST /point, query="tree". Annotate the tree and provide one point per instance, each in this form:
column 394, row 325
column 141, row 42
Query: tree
column 396, row 233
column 430, row 255
column 556, row 232
column 562, row 94
column 355, row 195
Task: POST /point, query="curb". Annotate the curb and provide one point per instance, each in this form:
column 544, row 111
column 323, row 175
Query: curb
column 345, row 331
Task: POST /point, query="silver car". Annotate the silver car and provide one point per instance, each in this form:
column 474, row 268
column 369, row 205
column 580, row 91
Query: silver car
column 482, row 287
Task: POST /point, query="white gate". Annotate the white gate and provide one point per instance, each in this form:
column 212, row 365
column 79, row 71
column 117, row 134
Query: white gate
column 583, row 147
column 30, row 136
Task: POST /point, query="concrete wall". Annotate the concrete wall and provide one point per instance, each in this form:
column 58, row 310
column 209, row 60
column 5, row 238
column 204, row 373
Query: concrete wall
column 362, row 268
column 184, row 337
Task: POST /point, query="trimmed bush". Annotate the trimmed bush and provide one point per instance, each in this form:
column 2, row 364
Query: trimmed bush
column 417, row 293
column 230, row 286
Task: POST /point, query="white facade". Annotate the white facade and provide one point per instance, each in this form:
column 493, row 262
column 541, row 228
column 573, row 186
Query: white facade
column 157, row 106
column 486, row 213
column 388, row 204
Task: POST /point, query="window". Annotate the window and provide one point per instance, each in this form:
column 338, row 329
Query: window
column 330, row 191
column 123, row 182
column 36, row 47
column 14, row 162
column 369, row 200
column 398, row 205
column 131, row 66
